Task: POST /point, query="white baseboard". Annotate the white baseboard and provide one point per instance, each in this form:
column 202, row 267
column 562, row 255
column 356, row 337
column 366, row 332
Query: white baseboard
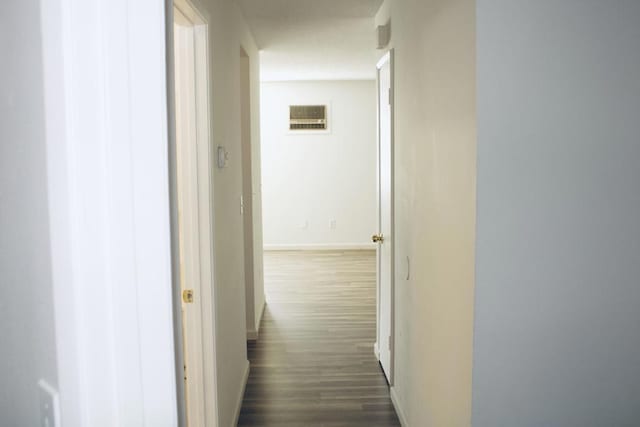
column 398, row 407
column 241, row 396
column 254, row 334
column 264, row 305
column 323, row 247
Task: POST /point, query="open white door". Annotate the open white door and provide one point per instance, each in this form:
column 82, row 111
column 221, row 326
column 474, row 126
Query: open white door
column 194, row 200
column 385, row 236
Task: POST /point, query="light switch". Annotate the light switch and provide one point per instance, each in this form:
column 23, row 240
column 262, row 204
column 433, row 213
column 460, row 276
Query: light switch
column 49, row 405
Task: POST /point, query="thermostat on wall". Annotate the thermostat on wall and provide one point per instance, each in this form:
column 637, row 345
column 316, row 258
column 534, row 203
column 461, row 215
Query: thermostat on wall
column 223, row 157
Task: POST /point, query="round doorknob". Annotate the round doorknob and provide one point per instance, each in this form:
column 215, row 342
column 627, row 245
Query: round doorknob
column 377, row 238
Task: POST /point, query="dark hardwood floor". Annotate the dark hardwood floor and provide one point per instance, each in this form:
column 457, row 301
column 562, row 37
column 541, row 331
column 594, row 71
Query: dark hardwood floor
column 313, row 364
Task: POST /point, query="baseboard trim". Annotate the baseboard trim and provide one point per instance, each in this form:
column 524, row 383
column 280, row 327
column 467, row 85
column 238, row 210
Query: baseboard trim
column 241, row 396
column 323, row 247
column 254, row 334
column 376, row 350
column 259, row 322
column 398, row 407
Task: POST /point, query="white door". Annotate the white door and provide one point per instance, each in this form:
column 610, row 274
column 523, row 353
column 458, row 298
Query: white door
column 194, row 196
column 385, row 237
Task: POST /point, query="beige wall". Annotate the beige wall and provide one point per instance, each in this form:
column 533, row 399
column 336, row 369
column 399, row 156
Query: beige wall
column 435, row 136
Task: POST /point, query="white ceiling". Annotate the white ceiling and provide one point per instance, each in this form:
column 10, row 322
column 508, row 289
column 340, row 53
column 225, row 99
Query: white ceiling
column 314, row 39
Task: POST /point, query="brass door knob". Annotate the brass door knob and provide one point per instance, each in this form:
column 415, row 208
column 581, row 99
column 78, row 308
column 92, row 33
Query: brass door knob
column 377, row 238
column 187, row 296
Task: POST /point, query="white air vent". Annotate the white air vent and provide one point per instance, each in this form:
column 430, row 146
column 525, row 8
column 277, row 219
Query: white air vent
column 307, row 117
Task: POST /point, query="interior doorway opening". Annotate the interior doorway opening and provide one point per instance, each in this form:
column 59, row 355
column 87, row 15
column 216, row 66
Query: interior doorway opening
column 325, row 171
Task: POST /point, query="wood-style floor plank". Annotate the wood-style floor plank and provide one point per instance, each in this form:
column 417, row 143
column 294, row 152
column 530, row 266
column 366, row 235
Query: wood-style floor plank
column 313, row 364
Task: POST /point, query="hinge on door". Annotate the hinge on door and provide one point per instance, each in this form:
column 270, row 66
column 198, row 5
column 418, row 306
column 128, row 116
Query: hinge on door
column 185, row 372
column 389, row 342
column 390, row 96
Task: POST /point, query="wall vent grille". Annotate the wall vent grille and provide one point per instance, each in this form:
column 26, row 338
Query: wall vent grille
column 307, row 117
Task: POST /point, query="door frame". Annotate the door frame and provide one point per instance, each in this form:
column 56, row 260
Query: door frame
column 388, row 57
column 205, row 198
column 246, row 204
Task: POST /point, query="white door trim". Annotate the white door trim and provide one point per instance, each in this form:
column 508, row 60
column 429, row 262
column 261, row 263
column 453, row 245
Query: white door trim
column 387, row 58
column 205, row 302
column 106, row 137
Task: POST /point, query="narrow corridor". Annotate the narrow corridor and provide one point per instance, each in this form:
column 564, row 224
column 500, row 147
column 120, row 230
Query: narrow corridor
column 313, row 364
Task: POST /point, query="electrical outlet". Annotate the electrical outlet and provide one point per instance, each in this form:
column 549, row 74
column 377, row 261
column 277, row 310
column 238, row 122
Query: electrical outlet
column 304, row 225
column 49, row 405
column 333, row 225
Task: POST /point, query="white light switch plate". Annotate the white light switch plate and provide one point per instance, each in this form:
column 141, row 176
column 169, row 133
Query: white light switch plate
column 49, row 405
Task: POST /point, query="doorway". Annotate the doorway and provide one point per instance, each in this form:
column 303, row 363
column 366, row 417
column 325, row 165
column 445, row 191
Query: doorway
column 385, row 254
column 193, row 198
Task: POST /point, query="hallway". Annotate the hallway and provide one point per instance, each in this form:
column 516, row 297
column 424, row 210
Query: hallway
column 313, row 364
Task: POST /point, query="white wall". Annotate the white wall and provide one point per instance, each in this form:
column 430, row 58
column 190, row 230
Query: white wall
column 27, row 331
column 558, row 266
column 312, row 179
column 435, row 141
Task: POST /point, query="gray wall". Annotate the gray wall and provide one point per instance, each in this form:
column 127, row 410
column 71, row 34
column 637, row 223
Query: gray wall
column 27, row 340
column 557, row 333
